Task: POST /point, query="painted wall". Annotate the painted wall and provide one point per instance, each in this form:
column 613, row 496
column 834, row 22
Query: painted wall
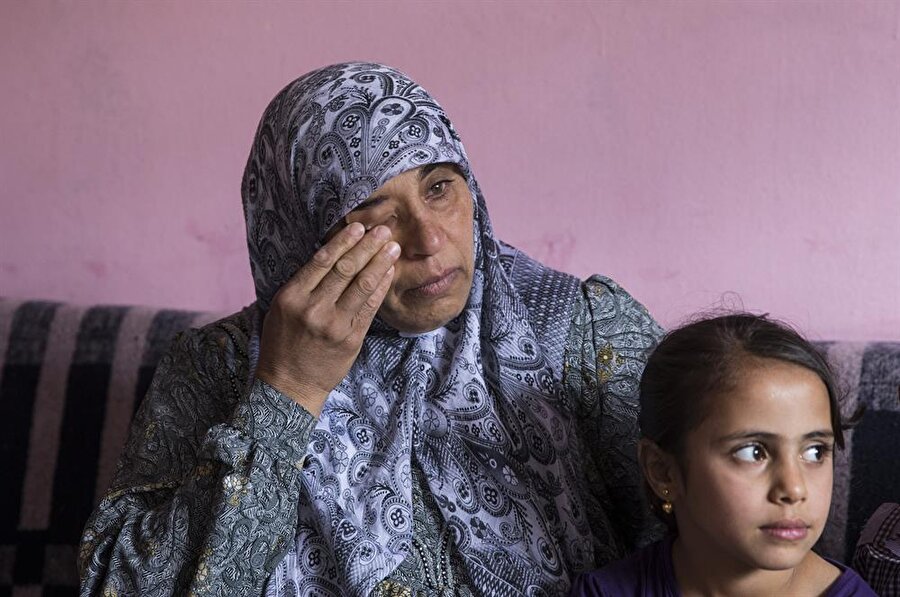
column 697, row 152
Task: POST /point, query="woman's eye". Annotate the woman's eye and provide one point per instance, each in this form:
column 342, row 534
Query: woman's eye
column 751, row 453
column 370, row 220
column 815, row 453
column 438, row 189
column 385, row 220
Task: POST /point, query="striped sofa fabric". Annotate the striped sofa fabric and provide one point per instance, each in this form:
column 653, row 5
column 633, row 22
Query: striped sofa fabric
column 72, row 377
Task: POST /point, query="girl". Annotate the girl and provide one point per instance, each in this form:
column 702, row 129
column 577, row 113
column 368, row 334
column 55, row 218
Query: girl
column 739, row 417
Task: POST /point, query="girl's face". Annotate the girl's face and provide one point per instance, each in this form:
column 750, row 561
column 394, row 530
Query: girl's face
column 755, row 486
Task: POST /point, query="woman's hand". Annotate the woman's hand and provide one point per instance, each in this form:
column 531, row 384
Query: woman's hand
column 316, row 324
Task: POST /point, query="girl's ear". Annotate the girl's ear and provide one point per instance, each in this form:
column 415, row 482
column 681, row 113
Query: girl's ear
column 660, row 470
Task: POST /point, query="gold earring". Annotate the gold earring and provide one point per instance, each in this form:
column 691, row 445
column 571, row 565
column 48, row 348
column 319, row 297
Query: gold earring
column 667, row 506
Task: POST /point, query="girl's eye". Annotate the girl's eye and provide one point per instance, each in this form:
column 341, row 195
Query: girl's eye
column 751, row 453
column 816, row 453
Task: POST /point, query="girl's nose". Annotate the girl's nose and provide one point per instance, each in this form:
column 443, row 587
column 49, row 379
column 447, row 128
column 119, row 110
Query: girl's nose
column 789, row 486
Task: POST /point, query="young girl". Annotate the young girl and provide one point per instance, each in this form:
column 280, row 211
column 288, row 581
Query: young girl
column 739, row 419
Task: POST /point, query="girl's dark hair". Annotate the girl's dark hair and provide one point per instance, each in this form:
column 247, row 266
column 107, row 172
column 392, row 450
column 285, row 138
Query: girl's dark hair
column 703, row 359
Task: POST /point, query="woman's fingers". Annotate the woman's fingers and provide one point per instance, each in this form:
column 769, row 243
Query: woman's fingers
column 360, row 293
column 347, row 268
column 365, row 313
column 324, row 312
column 324, row 260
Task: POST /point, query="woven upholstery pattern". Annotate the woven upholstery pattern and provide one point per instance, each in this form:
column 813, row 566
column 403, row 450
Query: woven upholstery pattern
column 71, row 378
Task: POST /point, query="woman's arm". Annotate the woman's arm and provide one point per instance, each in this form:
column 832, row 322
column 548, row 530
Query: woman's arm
column 611, row 338
column 205, row 497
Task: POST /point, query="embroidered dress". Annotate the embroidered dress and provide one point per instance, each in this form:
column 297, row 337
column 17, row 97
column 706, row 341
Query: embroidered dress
column 492, row 456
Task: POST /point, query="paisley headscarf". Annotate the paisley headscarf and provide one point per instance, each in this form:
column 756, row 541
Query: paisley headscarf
column 477, row 404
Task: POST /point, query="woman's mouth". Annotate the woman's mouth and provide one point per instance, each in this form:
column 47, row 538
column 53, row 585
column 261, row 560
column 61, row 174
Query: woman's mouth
column 435, row 286
column 787, row 530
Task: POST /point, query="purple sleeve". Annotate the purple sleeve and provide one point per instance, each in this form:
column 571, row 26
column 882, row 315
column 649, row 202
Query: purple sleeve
column 588, row 584
column 647, row 572
column 849, row 584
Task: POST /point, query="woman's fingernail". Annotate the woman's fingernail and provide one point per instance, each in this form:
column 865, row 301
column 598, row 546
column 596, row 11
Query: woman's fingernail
column 382, row 232
column 356, row 229
column 393, row 249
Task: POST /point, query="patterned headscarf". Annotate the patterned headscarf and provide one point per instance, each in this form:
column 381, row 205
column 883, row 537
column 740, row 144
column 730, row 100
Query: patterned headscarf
column 478, row 403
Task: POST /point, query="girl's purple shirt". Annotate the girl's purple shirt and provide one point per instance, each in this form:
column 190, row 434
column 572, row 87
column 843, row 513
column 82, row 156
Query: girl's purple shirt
column 648, row 572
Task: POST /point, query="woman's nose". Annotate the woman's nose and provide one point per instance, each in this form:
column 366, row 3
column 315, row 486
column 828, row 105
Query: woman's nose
column 789, row 485
column 423, row 235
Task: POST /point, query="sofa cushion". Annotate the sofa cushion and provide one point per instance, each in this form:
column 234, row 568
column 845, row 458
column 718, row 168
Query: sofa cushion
column 866, row 472
column 71, row 378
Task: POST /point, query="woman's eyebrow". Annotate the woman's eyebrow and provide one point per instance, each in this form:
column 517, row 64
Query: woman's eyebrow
column 428, row 169
column 423, row 172
column 369, row 202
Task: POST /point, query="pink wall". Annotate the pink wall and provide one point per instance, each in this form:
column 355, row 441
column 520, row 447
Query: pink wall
column 691, row 150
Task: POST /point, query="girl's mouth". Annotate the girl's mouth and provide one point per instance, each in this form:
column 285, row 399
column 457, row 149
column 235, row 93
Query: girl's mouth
column 787, row 530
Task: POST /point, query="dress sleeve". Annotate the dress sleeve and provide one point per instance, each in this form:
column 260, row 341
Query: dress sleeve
column 611, row 338
column 205, row 496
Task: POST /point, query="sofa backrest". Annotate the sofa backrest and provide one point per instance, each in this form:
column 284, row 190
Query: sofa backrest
column 867, row 471
column 72, row 377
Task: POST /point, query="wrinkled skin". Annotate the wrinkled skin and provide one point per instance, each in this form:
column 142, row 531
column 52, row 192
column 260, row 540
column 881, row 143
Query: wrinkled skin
column 417, row 282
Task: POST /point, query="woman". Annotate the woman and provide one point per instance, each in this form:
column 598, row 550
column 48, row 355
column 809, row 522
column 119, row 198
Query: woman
column 410, row 405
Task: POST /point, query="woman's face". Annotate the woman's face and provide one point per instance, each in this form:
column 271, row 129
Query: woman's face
column 754, row 488
column 429, row 211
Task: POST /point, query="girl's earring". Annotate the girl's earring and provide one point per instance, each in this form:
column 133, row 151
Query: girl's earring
column 667, row 506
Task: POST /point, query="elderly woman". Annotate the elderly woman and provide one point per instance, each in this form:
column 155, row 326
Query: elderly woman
column 410, row 407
